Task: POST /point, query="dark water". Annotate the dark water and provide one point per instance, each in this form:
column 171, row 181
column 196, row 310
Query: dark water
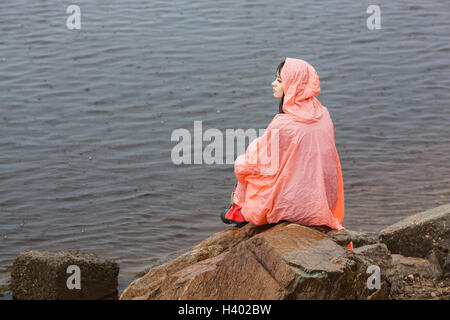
column 86, row 115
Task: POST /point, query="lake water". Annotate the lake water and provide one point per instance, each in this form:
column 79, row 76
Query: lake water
column 86, row 116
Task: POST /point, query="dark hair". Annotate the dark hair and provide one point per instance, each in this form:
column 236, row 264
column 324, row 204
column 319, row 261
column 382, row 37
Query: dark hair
column 280, row 106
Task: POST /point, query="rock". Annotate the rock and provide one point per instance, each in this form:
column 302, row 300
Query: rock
column 414, row 266
column 421, row 234
column 42, row 275
column 343, row 237
column 382, row 293
column 408, row 268
column 377, row 254
column 280, row 261
column 208, row 248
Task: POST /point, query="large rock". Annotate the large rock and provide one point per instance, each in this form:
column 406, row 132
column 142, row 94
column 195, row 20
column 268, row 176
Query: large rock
column 282, row 261
column 147, row 286
column 424, row 235
column 378, row 254
column 42, row 275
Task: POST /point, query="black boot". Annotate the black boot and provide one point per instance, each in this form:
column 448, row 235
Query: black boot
column 238, row 224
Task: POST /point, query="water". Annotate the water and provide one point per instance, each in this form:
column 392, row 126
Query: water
column 86, row 115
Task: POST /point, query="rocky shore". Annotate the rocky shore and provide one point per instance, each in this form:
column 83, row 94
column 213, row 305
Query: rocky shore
column 289, row 261
column 407, row 260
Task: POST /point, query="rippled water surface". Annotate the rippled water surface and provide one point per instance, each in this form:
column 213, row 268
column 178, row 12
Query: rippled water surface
column 86, row 115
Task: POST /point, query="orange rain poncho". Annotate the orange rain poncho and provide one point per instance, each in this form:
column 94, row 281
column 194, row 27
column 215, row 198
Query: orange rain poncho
column 300, row 180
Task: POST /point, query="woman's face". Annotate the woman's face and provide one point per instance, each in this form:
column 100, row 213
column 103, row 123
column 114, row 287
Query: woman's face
column 277, row 86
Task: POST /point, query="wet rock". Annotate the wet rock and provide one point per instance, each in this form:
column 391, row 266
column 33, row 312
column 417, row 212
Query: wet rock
column 421, row 234
column 43, row 275
column 377, row 254
column 282, row 261
column 343, row 237
column 148, row 285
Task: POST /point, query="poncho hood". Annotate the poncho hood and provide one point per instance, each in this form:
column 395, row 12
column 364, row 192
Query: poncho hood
column 301, row 85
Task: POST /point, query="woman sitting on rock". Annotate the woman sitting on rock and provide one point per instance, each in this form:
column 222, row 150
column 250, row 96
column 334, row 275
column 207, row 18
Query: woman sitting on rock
column 292, row 172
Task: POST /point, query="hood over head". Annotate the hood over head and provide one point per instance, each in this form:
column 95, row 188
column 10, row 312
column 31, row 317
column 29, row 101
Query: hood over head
column 301, row 85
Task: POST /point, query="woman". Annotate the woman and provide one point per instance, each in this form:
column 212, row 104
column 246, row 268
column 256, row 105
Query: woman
column 300, row 180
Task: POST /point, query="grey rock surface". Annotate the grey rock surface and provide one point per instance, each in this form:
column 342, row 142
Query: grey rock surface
column 42, row 275
column 420, row 235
